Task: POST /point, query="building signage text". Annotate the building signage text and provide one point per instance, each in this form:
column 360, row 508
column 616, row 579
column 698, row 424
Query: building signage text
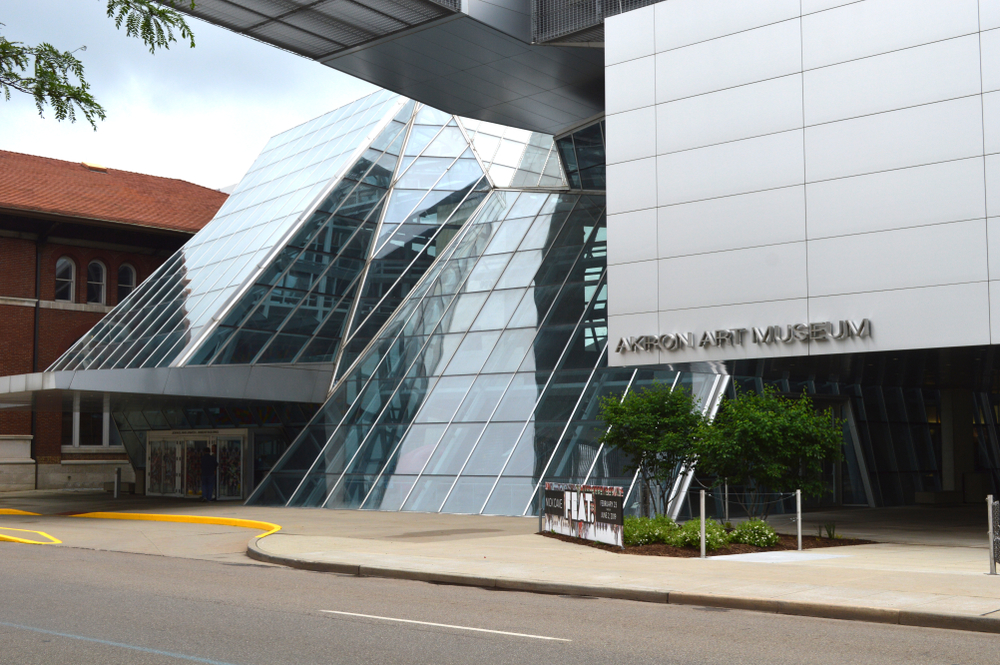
column 824, row 331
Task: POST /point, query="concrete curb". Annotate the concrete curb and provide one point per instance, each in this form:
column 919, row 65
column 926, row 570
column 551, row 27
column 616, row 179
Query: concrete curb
column 914, row 618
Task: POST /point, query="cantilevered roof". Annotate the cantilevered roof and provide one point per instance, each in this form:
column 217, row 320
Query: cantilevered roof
column 319, row 29
column 473, row 58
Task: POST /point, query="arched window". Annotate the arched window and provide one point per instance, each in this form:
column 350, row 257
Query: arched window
column 65, row 279
column 96, row 282
column 126, row 281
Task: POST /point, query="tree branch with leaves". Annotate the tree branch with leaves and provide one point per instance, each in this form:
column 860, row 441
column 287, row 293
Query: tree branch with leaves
column 56, row 79
column 655, row 428
column 768, row 443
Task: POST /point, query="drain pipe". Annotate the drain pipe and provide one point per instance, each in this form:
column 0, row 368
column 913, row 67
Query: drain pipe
column 40, row 241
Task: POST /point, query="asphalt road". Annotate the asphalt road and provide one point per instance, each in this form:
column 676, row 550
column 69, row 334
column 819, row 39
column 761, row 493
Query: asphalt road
column 63, row 605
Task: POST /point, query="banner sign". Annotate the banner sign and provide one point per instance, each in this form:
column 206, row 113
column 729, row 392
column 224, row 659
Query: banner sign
column 591, row 512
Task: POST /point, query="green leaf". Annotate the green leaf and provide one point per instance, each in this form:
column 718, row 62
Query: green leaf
column 56, row 77
column 151, row 22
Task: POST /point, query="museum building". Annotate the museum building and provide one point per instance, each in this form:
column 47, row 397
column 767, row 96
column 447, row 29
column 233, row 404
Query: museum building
column 417, row 301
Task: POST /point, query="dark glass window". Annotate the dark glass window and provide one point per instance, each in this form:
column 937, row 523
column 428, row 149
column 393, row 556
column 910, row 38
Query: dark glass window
column 96, row 282
column 126, row 281
column 65, row 279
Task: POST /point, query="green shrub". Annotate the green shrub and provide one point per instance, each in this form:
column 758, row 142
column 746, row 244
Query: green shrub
column 645, row 530
column 690, row 535
column 755, row 532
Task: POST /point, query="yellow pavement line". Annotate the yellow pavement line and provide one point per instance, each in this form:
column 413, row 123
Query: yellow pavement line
column 267, row 527
column 14, row 511
column 15, row 539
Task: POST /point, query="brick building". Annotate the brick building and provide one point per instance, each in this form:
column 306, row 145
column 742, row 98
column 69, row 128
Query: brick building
column 75, row 240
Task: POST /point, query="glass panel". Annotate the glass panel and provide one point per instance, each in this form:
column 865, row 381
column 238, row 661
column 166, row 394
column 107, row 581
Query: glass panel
column 473, row 352
column 420, row 136
column 390, row 492
column 445, row 399
column 424, row 172
column 429, row 494
column 486, row 272
column 510, row 496
column 498, row 309
column 493, row 449
column 449, row 143
column 463, row 312
column 483, row 397
column 507, row 355
column 469, row 494
column 520, row 398
column 533, row 449
column 454, row 448
column 415, row 449
column 126, row 281
column 95, row 282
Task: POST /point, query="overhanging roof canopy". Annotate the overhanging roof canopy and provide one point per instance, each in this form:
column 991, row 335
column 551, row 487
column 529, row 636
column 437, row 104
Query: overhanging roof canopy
column 470, row 58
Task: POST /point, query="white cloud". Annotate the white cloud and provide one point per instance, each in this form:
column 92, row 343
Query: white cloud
column 199, row 114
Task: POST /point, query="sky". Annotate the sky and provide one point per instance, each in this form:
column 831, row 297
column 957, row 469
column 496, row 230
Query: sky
column 200, row 114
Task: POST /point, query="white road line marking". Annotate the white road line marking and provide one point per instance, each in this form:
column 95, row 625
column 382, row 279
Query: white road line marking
column 445, row 625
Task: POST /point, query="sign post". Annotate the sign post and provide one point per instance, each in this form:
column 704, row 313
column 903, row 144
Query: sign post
column 702, row 524
column 591, row 512
column 991, row 514
column 798, row 516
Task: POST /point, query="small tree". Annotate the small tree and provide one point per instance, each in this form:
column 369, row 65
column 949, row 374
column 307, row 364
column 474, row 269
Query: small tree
column 654, row 427
column 766, row 442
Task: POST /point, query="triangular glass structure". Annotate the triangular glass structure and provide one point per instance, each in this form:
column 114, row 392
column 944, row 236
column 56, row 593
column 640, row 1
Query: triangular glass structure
column 436, row 272
column 162, row 322
column 483, row 383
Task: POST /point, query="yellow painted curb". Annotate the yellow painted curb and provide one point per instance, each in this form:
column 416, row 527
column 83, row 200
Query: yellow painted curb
column 267, row 527
column 14, row 511
column 15, row 539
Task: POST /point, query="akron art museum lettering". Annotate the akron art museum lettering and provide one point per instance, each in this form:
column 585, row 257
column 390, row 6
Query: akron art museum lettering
column 824, row 331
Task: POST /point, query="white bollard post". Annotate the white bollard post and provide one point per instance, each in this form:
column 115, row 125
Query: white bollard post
column 703, row 524
column 727, row 500
column 989, row 516
column 798, row 516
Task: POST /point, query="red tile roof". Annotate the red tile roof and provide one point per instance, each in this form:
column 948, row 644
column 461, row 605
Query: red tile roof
column 51, row 186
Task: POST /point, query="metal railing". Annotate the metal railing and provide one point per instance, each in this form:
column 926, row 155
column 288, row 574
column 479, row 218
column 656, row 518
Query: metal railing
column 559, row 20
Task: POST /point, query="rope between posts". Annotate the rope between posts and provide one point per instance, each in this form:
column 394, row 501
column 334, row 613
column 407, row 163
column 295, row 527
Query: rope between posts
column 780, row 496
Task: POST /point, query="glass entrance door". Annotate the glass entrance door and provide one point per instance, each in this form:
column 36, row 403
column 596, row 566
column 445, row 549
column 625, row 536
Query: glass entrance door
column 230, row 455
column 193, row 450
column 173, row 462
column 164, row 467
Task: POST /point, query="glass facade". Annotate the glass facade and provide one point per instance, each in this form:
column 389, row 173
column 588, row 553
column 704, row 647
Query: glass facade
column 582, row 154
column 484, row 382
column 319, row 243
column 451, row 276
column 163, row 319
column 133, row 417
column 899, row 403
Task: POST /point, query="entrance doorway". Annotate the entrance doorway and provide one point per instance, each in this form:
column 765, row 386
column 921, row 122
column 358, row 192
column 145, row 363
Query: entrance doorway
column 173, row 462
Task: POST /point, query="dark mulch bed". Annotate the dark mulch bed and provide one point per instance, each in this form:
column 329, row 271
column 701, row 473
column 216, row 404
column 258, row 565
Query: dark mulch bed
column 786, row 543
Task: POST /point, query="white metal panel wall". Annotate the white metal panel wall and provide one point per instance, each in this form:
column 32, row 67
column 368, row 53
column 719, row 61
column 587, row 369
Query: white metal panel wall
column 774, row 163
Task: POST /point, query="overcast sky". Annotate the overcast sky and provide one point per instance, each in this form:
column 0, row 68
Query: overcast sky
column 199, row 114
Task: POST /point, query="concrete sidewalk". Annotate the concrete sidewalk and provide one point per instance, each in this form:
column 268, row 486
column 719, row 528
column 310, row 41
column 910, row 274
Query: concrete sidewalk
column 933, row 573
